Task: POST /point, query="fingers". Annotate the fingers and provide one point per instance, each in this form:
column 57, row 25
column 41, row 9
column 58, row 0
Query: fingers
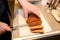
column 37, row 13
column 7, row 28
column 36, row 27
column 4, row 26
column 2, row 30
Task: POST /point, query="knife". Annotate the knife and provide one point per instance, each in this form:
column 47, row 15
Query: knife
column 17, row 26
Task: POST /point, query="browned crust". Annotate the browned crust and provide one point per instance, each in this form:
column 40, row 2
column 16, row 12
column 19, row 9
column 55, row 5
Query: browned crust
column 33, row 20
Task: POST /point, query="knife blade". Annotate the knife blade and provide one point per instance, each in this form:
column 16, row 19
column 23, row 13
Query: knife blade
column 17, row 26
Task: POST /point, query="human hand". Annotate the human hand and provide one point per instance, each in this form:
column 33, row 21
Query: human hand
column 30, row 8
column 4, row 27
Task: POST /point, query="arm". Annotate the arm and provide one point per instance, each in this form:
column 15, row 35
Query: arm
column 27, row 7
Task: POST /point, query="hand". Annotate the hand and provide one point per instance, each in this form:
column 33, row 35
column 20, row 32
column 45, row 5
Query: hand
column 4, row 27
column 30, row 8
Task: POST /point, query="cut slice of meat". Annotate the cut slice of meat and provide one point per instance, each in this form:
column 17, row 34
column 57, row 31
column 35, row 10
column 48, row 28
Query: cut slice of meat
column 38, row 31
column 36, row 27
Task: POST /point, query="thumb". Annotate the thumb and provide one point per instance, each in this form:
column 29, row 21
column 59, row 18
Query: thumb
column 26, row 14
column 7, row 28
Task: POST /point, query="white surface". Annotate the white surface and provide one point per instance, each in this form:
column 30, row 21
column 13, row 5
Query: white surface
column 25, row 31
